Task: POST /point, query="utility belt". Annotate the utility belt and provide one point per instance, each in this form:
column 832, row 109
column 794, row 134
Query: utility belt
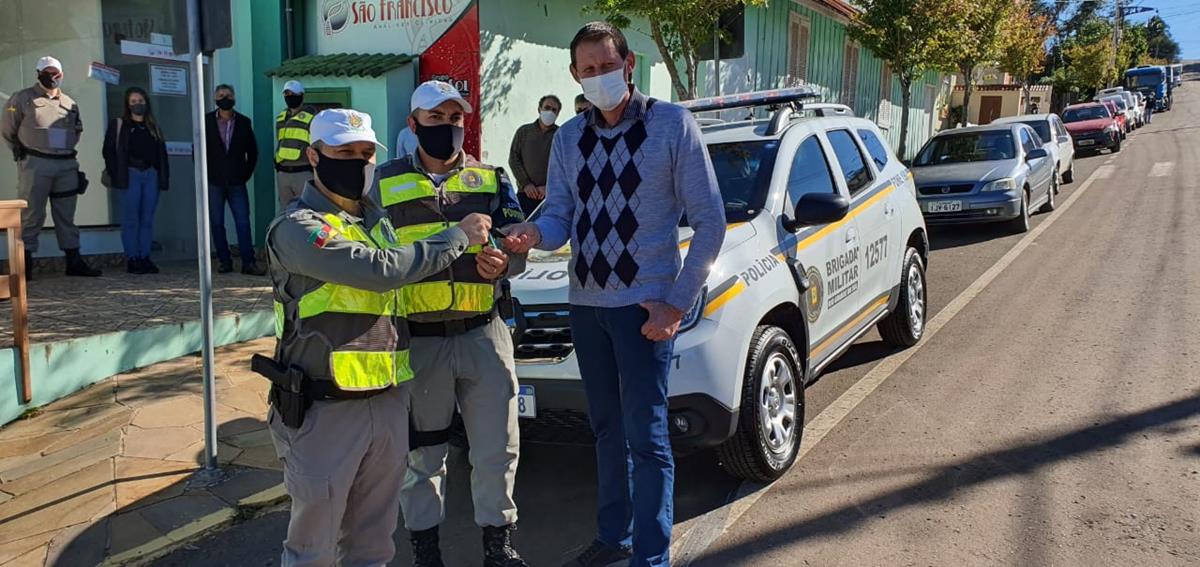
column 44, row 155
column 293, row 392
column 293, row 168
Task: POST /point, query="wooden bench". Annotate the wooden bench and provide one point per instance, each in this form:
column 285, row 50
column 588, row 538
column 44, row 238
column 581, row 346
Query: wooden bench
column 12, row 287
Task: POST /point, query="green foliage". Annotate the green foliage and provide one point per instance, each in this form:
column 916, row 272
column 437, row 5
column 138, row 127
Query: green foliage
column 678, row 28
column 1023, row 39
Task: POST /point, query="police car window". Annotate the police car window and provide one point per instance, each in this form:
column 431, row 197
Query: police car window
column 744, row 175
column 810, row 171
column 879, row 152
column 854, row 165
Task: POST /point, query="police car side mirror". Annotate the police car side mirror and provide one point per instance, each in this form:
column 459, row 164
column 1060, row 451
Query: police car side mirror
column 1036, row 154
column 817, row 208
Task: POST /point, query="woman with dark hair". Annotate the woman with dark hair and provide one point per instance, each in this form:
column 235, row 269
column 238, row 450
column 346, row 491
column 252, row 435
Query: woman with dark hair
column 135, row 159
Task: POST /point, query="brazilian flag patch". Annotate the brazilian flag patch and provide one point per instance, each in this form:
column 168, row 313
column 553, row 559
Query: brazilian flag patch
column 321, row 236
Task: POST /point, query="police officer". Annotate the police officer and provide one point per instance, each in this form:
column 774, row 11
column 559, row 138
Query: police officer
column 292, row 171
column 339, row 395
column 42, row 126
column 461, row 351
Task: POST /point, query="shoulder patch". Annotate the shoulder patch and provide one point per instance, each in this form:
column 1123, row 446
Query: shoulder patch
column 321, row 236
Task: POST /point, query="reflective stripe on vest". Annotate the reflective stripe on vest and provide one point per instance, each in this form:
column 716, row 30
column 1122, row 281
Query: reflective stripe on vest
column 354, row 365
column 292, row 137
column 414, row 191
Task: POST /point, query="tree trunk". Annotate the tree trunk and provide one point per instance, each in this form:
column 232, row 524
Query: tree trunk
column 672, row 70
column 967, row 70
column 905, row 98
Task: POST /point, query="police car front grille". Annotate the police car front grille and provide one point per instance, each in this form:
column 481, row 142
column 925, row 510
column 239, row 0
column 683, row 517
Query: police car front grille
column 546, row 334
column 945, row 189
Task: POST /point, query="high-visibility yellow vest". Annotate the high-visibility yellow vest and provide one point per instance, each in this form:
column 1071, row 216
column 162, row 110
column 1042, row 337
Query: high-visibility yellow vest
column 364, row 333
column 291, row 138
column 416, row 212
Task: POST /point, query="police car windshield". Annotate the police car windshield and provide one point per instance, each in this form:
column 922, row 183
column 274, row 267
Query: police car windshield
column 744, row 174
column 967, row 147
column 1084, row 113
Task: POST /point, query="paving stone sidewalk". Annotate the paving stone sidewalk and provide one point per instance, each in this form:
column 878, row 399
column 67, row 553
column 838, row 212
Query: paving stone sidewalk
column 102, row 476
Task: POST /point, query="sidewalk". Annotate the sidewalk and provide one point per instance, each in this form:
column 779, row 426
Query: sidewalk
column 102, row 475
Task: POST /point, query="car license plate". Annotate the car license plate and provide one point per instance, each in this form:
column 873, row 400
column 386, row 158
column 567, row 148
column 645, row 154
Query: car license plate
column 526, row 402
column 1087, row 142
column 944, row 207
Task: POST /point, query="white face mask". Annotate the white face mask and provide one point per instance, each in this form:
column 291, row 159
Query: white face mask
column 606, row 91
column 548, row 117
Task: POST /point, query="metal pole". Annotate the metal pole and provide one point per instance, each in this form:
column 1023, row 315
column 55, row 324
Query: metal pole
column 204, row 252
column 717, row 59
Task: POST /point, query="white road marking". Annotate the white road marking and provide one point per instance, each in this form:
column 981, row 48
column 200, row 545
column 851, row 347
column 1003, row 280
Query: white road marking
column 1104, row 171
column 1162, row 169
column 709, row 527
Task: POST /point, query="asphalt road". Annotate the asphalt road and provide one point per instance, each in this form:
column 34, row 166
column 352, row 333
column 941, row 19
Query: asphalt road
column 1054, row 420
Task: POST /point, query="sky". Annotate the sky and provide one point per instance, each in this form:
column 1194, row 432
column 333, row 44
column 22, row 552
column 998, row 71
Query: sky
column 1183, row 17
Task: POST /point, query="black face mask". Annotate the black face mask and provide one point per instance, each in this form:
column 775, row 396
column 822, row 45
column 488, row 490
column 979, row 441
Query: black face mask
column 225, row 104
column 293, row 101
column 137, row 109
column 49, row 81
column 442, row 141
column 345, row 177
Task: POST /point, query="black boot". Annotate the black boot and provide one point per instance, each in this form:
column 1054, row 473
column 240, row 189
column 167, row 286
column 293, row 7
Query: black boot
column 134, row 266
column 149, row 266
column 77, row 267
column 28, row 266
column 497, row 547
column 426, row 552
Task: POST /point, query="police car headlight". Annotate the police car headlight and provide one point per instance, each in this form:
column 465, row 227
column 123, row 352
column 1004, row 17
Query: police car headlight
column 692, row 317
column 1002, row 184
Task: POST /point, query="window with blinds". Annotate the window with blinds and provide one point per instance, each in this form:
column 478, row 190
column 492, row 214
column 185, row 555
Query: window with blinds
column 850, row 75
column 798, row 37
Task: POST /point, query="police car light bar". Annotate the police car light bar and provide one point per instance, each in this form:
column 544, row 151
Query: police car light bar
column 744, row 100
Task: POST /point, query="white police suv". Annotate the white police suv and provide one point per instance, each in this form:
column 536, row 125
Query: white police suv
column 825, row 240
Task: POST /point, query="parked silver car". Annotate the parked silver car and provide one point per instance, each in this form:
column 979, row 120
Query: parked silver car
column 1055, row 139
column 993, row 173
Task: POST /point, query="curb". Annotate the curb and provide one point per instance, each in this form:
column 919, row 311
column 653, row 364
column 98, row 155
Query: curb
column 156, row 548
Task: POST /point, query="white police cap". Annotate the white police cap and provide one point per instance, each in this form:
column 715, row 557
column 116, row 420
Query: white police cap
column 341, row 126
column 430, row 94
column 294, row 86
column 48, row 61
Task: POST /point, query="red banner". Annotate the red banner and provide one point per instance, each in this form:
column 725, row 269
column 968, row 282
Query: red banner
column 454, row 58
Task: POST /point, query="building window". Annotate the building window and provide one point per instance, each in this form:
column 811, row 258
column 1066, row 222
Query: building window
column 799, row 31
column 850, row 75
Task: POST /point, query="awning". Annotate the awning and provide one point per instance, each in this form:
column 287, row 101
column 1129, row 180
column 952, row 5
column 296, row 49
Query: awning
column 341, row 65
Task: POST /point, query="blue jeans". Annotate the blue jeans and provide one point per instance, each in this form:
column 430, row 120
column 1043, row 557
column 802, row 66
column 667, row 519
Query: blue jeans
column 625, row 377
column 138, row 202
column 239, row 204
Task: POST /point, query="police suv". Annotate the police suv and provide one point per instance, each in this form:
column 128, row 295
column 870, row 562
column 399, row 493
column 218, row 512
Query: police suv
column 825, row 240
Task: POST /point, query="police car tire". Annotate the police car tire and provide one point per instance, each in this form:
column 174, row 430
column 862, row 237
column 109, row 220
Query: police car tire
column 1069, row 176
column 746, row 455
column 897, row 328
column 1020, row 224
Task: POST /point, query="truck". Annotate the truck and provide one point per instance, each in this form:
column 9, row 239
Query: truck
column 1154, row 82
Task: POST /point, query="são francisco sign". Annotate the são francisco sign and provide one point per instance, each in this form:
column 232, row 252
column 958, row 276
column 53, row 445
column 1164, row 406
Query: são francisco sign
column 383, row 26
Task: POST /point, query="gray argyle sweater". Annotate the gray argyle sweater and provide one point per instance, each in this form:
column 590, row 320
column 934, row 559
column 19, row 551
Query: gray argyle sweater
column 618, row 194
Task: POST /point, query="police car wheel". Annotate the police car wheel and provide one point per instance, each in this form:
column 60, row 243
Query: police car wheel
column 1069, row 176
column 904, row 326
column 771, row 419
column 1021, row 223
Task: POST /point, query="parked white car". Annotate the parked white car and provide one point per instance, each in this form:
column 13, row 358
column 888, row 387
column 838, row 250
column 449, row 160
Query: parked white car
column 825, row 241
column 1054, row 137
column 1133, row 117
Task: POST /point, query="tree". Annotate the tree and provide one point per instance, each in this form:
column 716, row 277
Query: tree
column 1023, row 43
column 909, row 35
column 976, row 38
column 678, row 28
column 1091, row 64
column 1159, row 42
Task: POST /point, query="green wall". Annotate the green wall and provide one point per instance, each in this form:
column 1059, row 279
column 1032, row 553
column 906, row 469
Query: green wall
column 764, row 66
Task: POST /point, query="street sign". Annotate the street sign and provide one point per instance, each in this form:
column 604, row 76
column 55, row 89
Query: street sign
column 216, row 26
